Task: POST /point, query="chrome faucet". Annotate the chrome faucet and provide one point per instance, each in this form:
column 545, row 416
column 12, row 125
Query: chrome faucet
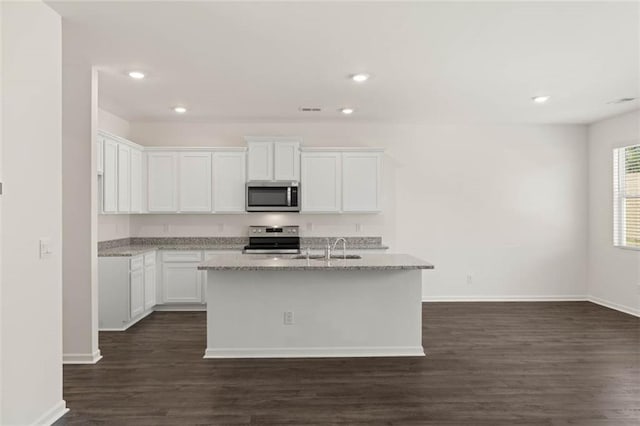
column 344, row 246
column 327, row 250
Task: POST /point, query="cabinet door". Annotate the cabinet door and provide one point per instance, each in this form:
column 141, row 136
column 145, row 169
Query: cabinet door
column 161, row 186
column 149, row 286
column 195, row 182
column 124, row 178
column 361, row 179
column 260, row 161
column 229, row 181
column 99, row 155
column 286, row 164
column 320, row 182
column 137, row 293
column 110, row 177
column 182, row 282
column 136, row 181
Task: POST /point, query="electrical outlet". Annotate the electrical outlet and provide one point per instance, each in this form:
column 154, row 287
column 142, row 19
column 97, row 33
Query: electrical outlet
column 469, row 279
column 309, row 226
column 166, row 228
column 221, row 227
column 288, row 318
column 358, row 227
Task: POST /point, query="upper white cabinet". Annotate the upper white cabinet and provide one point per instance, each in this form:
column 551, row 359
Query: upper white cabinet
column 121, row 167
column 162, row 187
column 286, row 161
column 229, row 182
column 320, row 183
column 195, row 182
column 124, row 178
column 110, row 177
column 99, row 155
column 260, row 161
column 347, row 181
column 273, row 159
column 136, row 181
column 361, row 180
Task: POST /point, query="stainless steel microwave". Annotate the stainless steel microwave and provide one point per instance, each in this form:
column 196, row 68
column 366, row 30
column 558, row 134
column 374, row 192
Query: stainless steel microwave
column 267, row 196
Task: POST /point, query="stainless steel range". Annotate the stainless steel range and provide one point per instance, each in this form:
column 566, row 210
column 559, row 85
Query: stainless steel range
column 273, row 240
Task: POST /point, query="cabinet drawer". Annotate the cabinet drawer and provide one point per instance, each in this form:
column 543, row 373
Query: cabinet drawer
column 137, row 262
column 150, row 259
column 210, row 253
column 182, row 256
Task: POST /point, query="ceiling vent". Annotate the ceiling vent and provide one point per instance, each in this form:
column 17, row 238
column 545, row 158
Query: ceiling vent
column 310, row 109
column 621, row 100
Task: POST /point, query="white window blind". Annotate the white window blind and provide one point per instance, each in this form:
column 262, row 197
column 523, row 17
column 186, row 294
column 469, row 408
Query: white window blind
column 626, row 196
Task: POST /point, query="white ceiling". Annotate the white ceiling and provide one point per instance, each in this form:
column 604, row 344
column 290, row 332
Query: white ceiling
column 445, row 62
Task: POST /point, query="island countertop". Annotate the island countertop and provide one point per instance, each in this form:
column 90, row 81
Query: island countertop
column 247, row 262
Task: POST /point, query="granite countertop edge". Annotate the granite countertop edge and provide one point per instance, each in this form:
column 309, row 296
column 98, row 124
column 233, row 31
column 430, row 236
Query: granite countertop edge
column 135, row 250
column 322, row 267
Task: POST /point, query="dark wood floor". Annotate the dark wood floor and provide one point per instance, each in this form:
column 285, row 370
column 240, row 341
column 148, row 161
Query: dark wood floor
column 571, row 363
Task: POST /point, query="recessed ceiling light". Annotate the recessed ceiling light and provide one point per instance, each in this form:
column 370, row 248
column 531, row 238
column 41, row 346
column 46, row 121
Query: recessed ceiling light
column 540, row 99
column 138, row 75
column 359, row 78
column 347, row 111
column 180, row 109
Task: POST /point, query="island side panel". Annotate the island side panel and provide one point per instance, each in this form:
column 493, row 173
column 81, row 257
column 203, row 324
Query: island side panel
column 335, row 313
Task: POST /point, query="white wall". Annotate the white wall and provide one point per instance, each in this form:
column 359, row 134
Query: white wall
column 614, row 273
column 114, row 226
column 503, row 203
column 112, row 123
column 79, row 182
column 31, row 315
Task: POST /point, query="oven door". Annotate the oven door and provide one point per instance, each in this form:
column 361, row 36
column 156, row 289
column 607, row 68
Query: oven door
column 272, row 198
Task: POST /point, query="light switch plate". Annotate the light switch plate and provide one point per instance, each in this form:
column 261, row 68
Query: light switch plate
column 45, row 248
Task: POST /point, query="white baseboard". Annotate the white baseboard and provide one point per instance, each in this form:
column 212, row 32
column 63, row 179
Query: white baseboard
column 52, row 415
column 333, row 352
column 129, row 324
column 82, row 358
column 177, row 307
column 611, row 305
column 569, row 298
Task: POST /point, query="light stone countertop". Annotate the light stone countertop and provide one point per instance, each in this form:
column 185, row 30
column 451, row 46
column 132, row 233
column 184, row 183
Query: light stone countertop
column 137, row 246
column 374, row 261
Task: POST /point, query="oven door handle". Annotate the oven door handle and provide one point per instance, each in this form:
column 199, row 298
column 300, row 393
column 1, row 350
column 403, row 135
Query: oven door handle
column 289, row 196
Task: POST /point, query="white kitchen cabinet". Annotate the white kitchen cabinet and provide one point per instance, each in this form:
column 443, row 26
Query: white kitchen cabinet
column 321, row 182
column 124, row 178
column 229, row 182
column 149, row 280
column 195, row 182
column 260, row 159
column 121, row 292
column 162, row 188
column 361, row 180
column 100, row 155
column 110, row 177
column 286, row 164
column 273, row 159
column 136, row 181
column 137, row 292
column 181, row 280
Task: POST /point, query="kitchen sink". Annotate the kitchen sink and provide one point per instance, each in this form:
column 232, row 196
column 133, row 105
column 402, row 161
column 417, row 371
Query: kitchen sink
column 321, row 257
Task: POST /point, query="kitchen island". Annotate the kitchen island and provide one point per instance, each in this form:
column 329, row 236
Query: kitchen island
column 262, row 306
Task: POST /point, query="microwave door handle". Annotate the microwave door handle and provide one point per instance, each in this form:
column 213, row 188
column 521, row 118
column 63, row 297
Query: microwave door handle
column 289, row 197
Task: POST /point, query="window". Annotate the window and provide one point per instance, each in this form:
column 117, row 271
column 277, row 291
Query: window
column 626, row 196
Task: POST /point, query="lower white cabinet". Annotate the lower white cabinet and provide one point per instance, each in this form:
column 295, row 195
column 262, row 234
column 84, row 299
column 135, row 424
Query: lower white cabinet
column 150, row 280
column 137, row 293
column 123, row 298
column 181, row 280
